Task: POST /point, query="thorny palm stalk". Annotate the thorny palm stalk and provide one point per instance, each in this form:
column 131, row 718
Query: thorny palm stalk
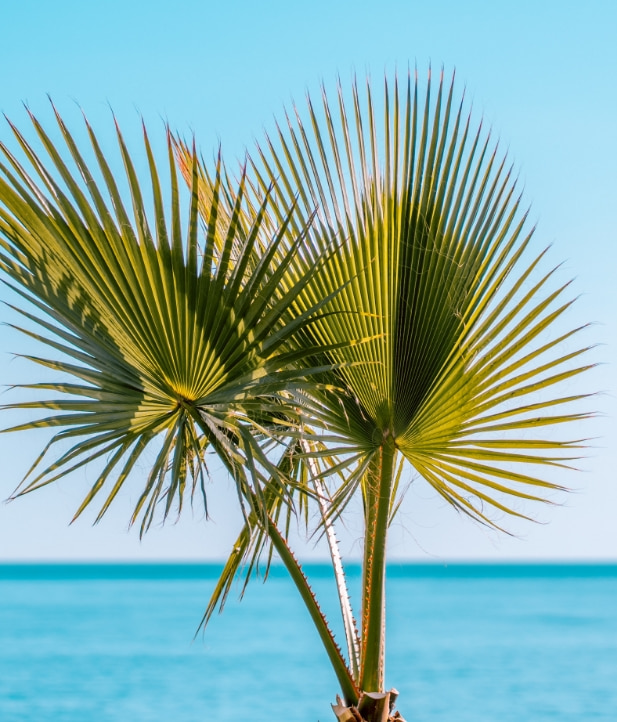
column 349, row 623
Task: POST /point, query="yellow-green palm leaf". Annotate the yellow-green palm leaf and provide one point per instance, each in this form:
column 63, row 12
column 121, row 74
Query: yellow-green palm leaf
column 167, row 337
column 461, row 368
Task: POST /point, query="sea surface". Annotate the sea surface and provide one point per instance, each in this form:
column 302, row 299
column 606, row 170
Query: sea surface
column 466, row 643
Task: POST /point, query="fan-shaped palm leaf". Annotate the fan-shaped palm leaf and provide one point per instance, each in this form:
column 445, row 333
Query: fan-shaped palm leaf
column 168, row 338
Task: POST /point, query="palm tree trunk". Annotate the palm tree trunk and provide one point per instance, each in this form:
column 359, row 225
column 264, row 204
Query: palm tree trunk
column 377, row 513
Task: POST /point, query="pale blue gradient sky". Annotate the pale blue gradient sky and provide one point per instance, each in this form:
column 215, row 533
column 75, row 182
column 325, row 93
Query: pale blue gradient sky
column 542, row 75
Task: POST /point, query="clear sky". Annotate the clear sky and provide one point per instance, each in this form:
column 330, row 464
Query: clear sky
column 542, row 74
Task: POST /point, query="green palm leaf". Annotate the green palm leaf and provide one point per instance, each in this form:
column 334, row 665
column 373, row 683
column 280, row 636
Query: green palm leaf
column 170, row 338
column 436, row 268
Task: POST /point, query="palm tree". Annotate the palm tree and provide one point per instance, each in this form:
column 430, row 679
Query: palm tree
column 362, row 299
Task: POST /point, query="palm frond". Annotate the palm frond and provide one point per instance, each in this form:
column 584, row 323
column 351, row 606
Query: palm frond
column 170, row 334
column 463, row 333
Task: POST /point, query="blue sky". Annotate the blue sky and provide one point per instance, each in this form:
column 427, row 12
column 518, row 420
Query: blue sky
column 542, row 75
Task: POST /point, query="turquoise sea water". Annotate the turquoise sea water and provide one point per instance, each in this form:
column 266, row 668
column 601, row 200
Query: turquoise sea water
column 466, row 643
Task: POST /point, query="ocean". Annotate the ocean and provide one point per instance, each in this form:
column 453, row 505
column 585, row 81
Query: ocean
column 466, row 643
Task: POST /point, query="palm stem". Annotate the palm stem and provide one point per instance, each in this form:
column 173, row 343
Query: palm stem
column 351, row 633
column 345, row 679
column 377, row 511
column 344, row 676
